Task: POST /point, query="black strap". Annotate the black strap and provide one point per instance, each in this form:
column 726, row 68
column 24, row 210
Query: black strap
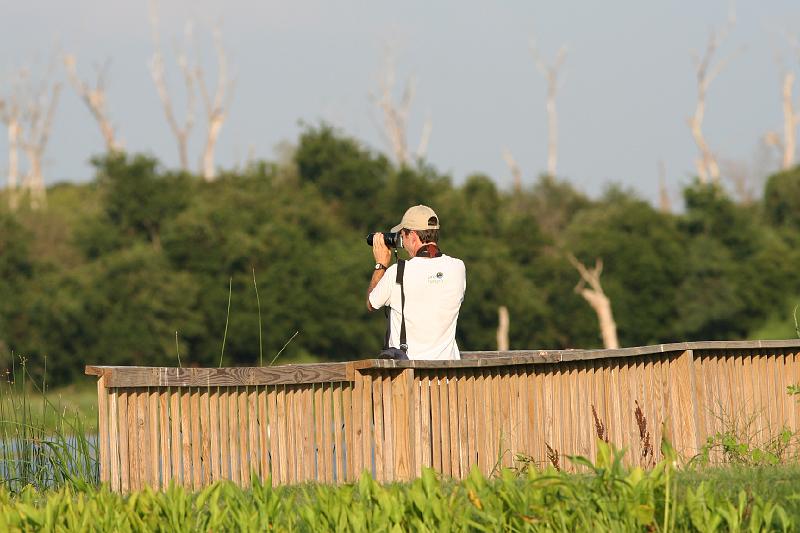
column 401, row 266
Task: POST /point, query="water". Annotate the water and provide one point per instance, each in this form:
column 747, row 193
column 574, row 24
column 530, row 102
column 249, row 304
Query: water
column 49, row 462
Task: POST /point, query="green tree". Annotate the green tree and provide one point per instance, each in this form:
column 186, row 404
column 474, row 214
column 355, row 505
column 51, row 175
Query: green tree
column 124, row 308
column 641, row 251
column 16, row 272
column 346, row 174
column 782, row 199
column 137, row 199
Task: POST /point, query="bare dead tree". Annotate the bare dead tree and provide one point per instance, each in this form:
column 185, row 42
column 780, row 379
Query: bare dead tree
column 182, row 130
column 788, row 144
column 516, row 173
column 706, row 71
column 395, row 115
column 28, row 114
column 502, row 328
column 596, row 298
column 38, row 123
column 94, row 98
column 739, row 174
column 550, row 73
column 216, row 107
column 10, row 116
column 664, row 202
column 790, row 122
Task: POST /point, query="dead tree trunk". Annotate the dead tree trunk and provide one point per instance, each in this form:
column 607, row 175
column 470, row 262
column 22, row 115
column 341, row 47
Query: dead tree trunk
column 34, row 181
column 787, row 146
column 516, row 173
column 790, row 121
column 664, row 203
column 502, row 328
column 216, row 108
column 95, row 100
column 596, row 298
column 9, row 114
column 181, row 131
column 550, row 73
column 13, row 163
column 395, row 116
column 38, row 122
column 706, row 163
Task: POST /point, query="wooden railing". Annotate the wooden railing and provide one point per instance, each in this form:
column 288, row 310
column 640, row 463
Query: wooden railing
column 329, row 422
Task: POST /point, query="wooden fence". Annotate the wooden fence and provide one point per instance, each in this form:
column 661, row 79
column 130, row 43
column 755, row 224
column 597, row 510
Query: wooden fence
column 329, row 422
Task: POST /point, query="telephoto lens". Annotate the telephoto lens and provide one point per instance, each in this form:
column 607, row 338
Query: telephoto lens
column 390, row 239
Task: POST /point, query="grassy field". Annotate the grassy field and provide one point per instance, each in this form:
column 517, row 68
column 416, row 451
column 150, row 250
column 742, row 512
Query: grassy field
column 50, row 410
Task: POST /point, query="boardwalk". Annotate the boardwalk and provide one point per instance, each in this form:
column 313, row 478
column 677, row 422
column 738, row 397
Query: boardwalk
column 329, row 422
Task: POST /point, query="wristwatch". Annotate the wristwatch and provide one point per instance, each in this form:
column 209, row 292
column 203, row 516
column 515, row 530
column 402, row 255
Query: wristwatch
column 379, row 266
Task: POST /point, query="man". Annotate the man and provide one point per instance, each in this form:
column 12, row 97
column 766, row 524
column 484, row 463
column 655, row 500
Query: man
column 433, row 285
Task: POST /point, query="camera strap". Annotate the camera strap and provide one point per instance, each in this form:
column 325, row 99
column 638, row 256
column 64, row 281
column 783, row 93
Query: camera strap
column 401, row 266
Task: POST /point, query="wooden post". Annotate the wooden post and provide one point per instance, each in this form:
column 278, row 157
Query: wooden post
column 103, row 437
column 403, row 431
column 682, row 407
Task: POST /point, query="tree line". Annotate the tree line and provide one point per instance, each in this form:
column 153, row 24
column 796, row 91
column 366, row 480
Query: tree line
column 146, row 265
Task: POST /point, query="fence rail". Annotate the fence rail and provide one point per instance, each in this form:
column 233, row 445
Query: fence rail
column 329, row 422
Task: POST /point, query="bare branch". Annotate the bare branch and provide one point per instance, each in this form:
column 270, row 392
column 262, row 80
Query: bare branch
column 94, row 98
column 551, row 73
column 706, row 71
column 425, row 138
column 395, row 115
column 37, row 124
column 10, row 116
column 516, row 173
column 665, row 205
column 216, row 107
column 597, row 299
column 180, row 131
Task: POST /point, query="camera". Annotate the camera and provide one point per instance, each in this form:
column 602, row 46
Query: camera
column 392, row 240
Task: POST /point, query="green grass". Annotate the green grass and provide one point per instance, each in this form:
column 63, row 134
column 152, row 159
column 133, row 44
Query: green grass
column 610, row 498
column 76, row 400
column 777, row 482
column 51, row 483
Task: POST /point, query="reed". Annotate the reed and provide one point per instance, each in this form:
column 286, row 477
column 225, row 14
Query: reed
column 33, row 451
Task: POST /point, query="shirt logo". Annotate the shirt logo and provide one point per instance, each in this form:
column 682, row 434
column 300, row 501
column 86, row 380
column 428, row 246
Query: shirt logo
column 435, row 279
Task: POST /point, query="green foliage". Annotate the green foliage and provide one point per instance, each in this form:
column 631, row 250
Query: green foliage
column 114, row 268
column 640, row 248
column 734, row 449
column 782, row 199
column 350, row 176
column 137, row 200
column 609, row 497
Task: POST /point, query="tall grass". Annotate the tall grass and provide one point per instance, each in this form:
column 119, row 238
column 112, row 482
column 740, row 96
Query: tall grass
column 34, row 452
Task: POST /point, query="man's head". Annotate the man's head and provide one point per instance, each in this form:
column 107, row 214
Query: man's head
column 420, row 225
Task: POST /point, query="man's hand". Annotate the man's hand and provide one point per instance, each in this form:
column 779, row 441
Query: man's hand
column 380, row 251
column 383, row 256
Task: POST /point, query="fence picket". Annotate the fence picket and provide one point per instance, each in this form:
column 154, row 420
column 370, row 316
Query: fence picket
column 325, row 424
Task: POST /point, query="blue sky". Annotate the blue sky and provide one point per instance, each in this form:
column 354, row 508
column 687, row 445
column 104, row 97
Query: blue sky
column 628, row 87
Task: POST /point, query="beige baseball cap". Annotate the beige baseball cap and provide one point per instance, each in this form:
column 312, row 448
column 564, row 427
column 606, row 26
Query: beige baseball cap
column 419, row 217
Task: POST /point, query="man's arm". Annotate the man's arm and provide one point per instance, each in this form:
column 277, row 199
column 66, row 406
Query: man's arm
column 376, row 277
column 383, row 256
